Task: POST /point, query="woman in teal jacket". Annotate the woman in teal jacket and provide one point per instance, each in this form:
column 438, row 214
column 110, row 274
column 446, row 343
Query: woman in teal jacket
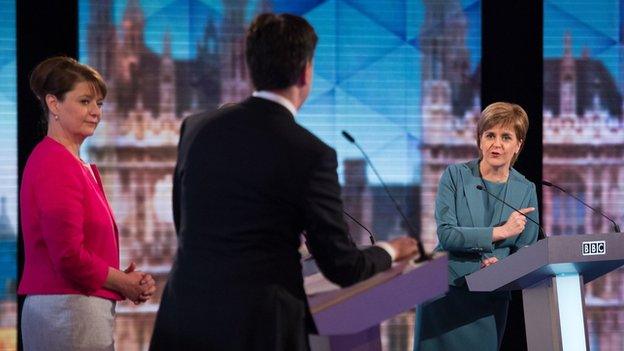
column 477, row 230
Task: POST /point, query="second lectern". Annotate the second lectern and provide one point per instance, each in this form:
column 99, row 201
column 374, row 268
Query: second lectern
column 551, row 275
column 349, row 318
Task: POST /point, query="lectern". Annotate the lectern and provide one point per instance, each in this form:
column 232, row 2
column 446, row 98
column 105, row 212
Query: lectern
column 551, row 274
column 349, row 318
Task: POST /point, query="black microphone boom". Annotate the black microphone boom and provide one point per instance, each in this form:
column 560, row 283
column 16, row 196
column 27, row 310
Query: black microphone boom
column 616, row 227
column 370, row 234
column 348, row 136
column 482, row 188
column 423, row 254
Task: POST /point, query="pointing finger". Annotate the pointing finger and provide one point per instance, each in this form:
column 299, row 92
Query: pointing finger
column 527, row 210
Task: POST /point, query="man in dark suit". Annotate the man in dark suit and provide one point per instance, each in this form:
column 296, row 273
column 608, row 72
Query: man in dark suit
column 248, row 181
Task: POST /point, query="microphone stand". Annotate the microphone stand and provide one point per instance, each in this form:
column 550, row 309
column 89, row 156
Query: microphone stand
column 616, row 227
column 423, row 255
column 482, row 188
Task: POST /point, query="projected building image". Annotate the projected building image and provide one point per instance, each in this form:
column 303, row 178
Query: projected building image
column 584, row 141
column 8, row 178
column 404, row 81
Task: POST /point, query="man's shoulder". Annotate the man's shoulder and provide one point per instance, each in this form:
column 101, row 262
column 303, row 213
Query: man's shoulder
column 195, row 120
column 287, row 124
column 309, row 137
column 254, row 113
column 306, row 142
column 223, row 114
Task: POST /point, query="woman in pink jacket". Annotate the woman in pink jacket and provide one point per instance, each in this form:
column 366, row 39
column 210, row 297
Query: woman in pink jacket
column 71, row 271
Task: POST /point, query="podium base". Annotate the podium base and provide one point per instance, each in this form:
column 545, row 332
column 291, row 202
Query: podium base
column 554, row 314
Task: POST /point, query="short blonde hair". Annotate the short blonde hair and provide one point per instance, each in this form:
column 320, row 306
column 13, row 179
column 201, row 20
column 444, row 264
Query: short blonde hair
column 504, row 114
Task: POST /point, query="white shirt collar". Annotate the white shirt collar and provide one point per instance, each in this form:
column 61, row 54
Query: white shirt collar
column 267, row 95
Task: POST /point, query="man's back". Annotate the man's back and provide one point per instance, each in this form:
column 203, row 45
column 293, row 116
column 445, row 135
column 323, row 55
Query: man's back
column 248, row 182
column 241, row 181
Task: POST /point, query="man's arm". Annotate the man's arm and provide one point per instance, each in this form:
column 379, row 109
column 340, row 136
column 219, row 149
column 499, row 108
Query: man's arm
column 336, row 256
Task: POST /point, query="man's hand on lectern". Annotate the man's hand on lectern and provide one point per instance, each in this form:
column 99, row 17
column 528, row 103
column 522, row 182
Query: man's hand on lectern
column 404, row 247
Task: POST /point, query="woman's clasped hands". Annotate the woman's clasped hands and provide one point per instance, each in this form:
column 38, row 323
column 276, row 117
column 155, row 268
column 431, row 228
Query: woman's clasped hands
column 141, row 285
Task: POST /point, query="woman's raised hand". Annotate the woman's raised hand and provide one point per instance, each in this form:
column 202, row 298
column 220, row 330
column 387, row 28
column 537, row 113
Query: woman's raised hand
column 513, row 226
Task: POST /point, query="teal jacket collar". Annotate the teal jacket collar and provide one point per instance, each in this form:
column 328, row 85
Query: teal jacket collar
column 517, row 189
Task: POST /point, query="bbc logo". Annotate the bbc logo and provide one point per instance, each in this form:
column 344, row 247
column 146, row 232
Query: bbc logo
column 594, row 248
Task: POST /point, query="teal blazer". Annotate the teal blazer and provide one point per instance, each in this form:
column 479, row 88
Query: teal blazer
column 459, row 215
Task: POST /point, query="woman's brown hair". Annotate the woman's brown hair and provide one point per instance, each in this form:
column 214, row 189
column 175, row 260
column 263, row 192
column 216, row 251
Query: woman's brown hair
column 60, row 74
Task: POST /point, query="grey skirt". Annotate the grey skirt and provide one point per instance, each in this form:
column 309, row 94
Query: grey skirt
column 68, row 322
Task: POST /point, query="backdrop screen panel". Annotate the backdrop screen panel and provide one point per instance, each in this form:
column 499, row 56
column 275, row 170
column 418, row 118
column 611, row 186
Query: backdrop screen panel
column 403, row 79
column 8, row 177
column 584, row 140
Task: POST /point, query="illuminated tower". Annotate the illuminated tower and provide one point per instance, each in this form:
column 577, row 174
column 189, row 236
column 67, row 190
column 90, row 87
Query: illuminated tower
column 235, row 82
column 449, row 120
column 567, row 102
column 101, row 35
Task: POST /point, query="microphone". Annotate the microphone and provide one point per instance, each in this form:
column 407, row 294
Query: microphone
column 616, row 227
column 348, row 136
column 370, row 235
column 423, row 255
column 482, row 188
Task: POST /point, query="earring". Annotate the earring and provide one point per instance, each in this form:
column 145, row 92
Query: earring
column 55, row 117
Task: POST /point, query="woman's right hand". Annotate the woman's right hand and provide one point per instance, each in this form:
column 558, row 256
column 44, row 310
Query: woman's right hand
column 133, row 288
column 513, row 226
column 147, row 282
column 136, row 286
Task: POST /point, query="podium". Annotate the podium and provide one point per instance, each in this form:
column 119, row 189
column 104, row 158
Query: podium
column 349, row 318
column 551, row 274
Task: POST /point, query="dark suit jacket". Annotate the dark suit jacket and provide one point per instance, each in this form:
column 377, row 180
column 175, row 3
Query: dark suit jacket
column 248, row 181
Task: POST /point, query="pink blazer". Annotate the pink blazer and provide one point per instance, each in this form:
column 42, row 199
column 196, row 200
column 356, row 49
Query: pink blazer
column 70, row 235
